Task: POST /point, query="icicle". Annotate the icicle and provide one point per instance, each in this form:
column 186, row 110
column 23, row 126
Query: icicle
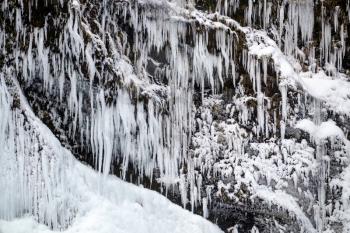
column 283, row 90
column 254, row 230
column 281, row 24
column 205, row 207
column 300, row 21
column 336, row 18
column 249, row 13
column 326, row 38
column 348, row 8
column 264, row 63
column 266, row 14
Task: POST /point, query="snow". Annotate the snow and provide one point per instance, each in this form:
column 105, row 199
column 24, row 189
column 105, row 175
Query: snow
column 334, row 91
column 306, row 125
column 112, row 132
column 342, row 206
column 219, row 148
column 76, row 4
column 325, row 130
column 285, row 201
column 73, row 197
column 159, row 137
column 120, row 207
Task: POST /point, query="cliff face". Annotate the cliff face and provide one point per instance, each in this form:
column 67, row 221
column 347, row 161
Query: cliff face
column 236, row 110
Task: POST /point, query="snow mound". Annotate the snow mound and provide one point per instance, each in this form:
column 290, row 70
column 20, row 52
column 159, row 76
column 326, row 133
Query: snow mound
column 117, row 207
column 334, row 91
column 325, row 130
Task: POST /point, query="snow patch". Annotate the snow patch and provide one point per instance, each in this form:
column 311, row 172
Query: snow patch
column 325, row 130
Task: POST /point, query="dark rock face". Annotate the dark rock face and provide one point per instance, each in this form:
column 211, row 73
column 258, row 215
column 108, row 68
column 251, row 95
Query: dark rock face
column 209, row 103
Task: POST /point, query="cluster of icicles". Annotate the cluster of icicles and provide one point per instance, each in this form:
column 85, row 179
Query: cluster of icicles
column 150, row 135
column 141, row 134
column 296, row 24
column 33, row 178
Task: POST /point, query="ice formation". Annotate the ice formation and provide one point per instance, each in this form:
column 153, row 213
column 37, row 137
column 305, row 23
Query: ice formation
column 140, row 85
column 45, row 183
